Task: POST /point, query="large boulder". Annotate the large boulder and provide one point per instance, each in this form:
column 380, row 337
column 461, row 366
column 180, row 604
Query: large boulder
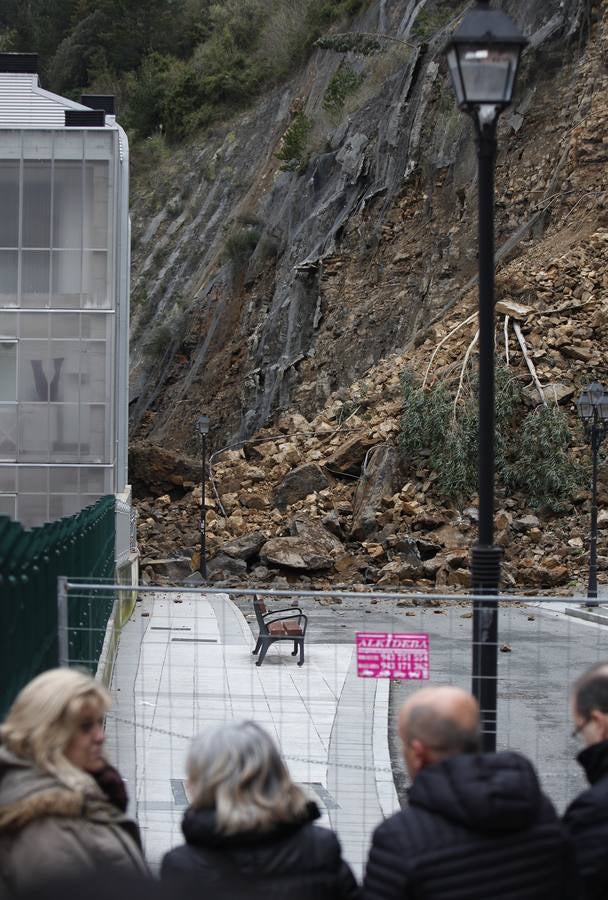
column 377, row 483
column 298, row 553
column 222, row 566
column 298, row 484
column 154, row 470
column 304, row 527
column 349, row 457
column 246, row 547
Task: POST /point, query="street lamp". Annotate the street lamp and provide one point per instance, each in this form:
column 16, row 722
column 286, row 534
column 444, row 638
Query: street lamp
column 592, row 408
column 483, row 57
column 202, row 426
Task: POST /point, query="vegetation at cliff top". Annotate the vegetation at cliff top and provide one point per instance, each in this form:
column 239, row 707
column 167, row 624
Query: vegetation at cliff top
column 174, row 65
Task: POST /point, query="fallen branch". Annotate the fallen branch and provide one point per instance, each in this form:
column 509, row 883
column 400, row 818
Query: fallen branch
column 507, row 339
column 442, row 342
column 530, row 364
column 463, row 370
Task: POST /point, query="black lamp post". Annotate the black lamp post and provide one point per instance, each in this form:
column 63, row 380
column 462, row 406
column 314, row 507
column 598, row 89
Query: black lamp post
column 202, row 426
column 483, row 58
column 592, row 408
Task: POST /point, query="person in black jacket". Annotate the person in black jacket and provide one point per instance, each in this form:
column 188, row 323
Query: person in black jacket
column 477, row 826
column 249, row 831
column 586, row 819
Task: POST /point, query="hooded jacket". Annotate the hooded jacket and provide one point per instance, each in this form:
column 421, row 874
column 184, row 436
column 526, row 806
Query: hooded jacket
column 477, row 827
column 586, row 820
column 48, row 829
column 299, row 860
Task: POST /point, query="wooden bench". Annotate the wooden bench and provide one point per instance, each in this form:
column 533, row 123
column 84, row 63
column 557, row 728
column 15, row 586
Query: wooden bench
column 279, row 625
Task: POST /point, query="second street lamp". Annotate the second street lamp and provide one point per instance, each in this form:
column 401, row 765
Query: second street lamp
column 202, row 427
column 592, row 408
column 483, row 58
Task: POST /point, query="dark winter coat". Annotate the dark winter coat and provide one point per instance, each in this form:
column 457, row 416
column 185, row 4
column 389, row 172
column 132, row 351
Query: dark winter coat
column 48, row 830
column 586, row 820
column 477, row 828
column 301, row 861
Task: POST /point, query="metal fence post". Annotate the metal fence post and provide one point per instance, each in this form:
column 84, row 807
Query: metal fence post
column 62, row 620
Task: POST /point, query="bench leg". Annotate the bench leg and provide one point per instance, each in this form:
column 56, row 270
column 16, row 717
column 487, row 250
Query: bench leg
column 263, row 652
column 301, row 659
column 257, row 646
column 294, row 652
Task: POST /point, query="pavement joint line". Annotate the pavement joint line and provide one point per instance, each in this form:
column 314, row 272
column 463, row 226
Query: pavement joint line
column 292, row 758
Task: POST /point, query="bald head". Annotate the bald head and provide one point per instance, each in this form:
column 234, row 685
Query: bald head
column 438, row 722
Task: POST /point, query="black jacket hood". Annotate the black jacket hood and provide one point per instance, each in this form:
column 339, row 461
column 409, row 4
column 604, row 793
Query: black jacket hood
column 200, row 830
column 493, row 793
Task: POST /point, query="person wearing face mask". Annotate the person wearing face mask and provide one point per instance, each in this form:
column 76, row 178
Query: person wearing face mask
column 586, row 818
column 62, row 806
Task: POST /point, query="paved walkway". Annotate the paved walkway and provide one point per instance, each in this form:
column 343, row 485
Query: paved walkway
column 184, row 663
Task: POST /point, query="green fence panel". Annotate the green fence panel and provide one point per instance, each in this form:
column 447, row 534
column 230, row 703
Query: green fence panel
column 80, row 546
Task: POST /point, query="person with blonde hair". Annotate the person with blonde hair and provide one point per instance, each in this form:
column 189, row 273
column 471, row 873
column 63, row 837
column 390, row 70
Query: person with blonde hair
column 249, row 830
column 62, row 807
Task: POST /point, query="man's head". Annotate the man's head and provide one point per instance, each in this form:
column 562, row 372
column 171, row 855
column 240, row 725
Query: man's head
column 590, row 705
column 436, row 723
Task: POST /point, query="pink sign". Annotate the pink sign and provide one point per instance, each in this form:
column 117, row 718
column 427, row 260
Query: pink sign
column 385, row 655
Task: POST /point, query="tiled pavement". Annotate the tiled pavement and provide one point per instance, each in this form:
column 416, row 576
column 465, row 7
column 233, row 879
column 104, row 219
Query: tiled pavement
column 186, row 662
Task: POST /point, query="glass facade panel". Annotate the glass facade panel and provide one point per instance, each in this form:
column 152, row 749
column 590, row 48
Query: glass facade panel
column 9, row 269
column 65, row 357
column 67, row 204
column 34, row 325
column 35, row 278
column 96, row 201
column 8, row 432
column 36, row 228
column 93, row 367
column 8, row 479
column 9, row 203
column 96, row 430
column 95, row 279
column 67, row 279
column 64, row 432
column 95, row 326
column 61, row 505
column 8, row 323
column 8, row 371
column 95, row 481
column 63, row 480
column 7, row 506
column 33, row 479
column 34, row 372
column 34, row 432
column 32, row 509
column 65, row 325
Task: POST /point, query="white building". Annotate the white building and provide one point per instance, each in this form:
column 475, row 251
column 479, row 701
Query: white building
column 64, row 301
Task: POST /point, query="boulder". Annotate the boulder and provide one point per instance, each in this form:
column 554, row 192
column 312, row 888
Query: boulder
column 450, row 537
column 377, row 483
column 246, row 547
column 554, row 392
column 298, row 553
column 305, row 527
column 408, row 551
column 526, row 523
column 427, row 549
column 348, row 459
column 176, row 568
column 154, row 470
column 298, row 484
column 396, row 572
column 223, row 565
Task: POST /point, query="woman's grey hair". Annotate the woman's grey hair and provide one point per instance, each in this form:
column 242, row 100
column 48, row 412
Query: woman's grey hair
column 236, row 769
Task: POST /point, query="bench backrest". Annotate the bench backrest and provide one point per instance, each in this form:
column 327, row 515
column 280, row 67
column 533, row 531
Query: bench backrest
column 260, row 611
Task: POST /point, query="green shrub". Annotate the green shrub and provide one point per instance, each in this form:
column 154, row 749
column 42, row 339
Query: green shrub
column 430, row 20
column 344, row 84
column 531, row 449
column 293, row 151
column 157, row 342
column 241, row 242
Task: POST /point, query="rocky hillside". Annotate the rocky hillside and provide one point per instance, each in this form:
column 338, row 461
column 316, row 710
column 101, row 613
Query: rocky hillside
column 374, row 252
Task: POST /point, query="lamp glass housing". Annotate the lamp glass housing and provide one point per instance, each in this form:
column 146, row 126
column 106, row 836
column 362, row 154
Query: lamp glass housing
column 202, row 424
column 484, row 73
column 584, row 405
column 596, row 392
column 602, row 409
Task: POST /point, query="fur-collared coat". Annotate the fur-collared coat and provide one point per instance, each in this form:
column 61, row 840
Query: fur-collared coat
column 48, row 830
